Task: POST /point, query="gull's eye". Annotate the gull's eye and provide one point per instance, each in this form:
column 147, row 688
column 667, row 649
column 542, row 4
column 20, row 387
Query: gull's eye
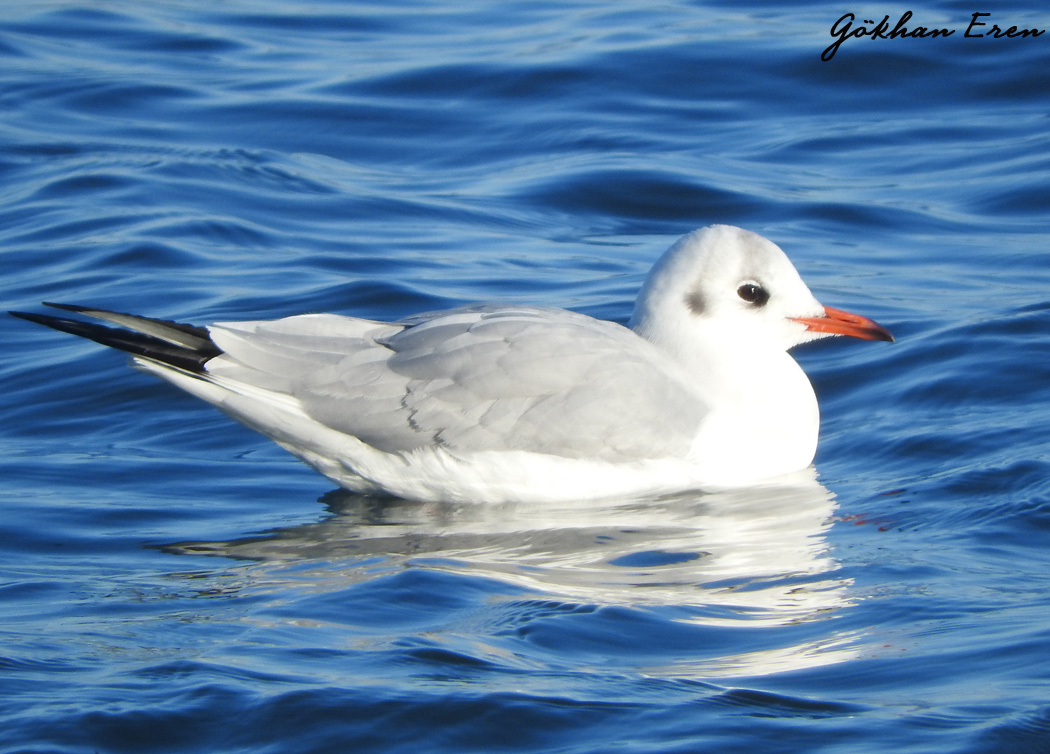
column 753, row 294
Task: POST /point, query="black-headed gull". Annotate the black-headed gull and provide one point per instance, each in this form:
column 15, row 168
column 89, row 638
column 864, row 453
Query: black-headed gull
column 500, row 403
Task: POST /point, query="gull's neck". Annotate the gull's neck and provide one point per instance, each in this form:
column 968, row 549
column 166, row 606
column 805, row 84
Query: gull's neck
column 764, row 417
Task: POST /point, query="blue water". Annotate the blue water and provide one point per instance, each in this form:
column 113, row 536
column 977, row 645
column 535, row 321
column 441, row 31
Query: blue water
column 171, row 582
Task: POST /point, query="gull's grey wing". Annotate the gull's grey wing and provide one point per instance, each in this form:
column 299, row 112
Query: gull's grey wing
column 475, row 379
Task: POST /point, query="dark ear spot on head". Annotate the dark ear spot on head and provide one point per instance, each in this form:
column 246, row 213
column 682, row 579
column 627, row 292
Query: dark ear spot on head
column 695, row 301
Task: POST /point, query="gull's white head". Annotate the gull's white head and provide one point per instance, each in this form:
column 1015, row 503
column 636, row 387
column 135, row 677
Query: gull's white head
column 729, row 285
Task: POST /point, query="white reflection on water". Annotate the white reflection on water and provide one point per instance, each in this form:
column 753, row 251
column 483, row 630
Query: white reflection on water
column 749, row 559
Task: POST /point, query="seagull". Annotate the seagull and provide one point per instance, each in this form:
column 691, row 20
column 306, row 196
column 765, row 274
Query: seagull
column 497, row 403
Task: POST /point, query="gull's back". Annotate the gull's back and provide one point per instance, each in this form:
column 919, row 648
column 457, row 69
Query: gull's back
column 471, row 380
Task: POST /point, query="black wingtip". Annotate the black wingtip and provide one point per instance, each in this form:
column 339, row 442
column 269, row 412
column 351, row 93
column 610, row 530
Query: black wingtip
column 25, row 315
column 69, row 307
column 55, row 323
column 129, row 341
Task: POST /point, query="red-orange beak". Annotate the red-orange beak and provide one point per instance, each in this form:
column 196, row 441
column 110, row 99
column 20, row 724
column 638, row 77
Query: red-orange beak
column 843, row 323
